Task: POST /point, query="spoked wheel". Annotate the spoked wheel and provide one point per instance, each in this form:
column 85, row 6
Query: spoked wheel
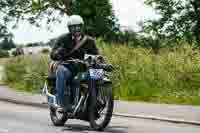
column 101, row 113
column 58, row 118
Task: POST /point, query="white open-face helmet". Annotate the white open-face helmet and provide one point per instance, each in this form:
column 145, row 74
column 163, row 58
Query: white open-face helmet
column 75, row 20
column 75, row 24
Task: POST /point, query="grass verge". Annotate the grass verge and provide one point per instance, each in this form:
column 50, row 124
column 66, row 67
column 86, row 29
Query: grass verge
column 172, row 76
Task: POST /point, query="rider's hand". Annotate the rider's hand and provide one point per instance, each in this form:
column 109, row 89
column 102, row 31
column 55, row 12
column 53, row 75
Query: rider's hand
column 59, row 53
column 100, row 60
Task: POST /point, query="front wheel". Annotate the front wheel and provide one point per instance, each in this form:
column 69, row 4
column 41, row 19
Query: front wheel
column 57, row 118
column 102, row 107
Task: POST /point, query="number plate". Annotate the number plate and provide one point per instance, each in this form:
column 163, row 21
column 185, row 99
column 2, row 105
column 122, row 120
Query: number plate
column 96, row 74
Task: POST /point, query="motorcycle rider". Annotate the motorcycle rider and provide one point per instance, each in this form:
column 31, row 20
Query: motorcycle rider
column 70, row 45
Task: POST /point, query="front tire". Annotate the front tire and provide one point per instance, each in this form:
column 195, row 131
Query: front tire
column 57, row 120
column 107, row 115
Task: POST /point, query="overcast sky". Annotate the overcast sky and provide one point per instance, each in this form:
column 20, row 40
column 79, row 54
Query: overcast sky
column 129, row 12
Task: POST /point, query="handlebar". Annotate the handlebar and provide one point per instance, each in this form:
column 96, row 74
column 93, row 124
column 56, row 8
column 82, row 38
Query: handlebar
column 76, row 61
column 105, row 67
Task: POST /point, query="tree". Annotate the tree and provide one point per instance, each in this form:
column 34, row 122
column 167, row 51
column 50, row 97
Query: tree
column 32, row 10
column 178, row 19
column 98, row 16
column 3, row 31
column 97, row 13
column 3, row 53
column 127, row 37
column 7, row 44
column 32, row 44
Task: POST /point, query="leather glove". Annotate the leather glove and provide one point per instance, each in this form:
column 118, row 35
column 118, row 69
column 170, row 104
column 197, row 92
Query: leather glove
column 60, row 53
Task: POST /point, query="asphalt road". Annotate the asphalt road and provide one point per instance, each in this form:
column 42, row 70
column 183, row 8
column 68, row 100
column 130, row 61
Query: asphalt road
column 24, row 119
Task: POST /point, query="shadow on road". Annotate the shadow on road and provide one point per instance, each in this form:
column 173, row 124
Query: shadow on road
column 84, row 129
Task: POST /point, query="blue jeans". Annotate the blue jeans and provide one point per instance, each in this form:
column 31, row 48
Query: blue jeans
column 63, row 75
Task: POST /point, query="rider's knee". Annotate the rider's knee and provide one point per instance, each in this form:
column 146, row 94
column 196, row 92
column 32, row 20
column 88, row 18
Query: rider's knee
column 63, row 70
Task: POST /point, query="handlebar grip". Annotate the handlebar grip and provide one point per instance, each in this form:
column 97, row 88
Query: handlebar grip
column 106, row 67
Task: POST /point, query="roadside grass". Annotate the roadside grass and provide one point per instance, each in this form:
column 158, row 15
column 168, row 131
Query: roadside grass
column 2, row 82
column 26, row 73
column 172, row 76
column 3, row 61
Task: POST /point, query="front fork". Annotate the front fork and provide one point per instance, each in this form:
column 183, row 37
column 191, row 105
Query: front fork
column 83, row 100
column 92, row 92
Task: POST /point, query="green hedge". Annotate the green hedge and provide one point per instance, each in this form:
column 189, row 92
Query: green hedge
column 45, row 51
column 4, row 54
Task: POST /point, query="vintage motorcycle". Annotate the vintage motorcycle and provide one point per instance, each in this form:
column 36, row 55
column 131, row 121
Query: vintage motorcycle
column 92, row 95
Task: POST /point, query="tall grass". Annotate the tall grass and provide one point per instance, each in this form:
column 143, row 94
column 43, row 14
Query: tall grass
column 3, row 60
column 172, row 76
column 26, row 72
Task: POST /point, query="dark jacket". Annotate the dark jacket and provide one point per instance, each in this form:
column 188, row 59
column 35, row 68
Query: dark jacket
column 65, row 44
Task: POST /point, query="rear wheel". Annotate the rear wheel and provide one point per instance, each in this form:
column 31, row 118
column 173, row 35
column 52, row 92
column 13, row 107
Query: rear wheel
column 102, row 108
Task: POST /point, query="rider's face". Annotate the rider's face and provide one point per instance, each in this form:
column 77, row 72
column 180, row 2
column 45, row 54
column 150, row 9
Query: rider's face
column 76, row 30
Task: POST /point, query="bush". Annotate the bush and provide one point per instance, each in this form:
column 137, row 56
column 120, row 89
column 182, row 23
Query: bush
column 14, row 53
column 45, row 51
column 4, row 54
